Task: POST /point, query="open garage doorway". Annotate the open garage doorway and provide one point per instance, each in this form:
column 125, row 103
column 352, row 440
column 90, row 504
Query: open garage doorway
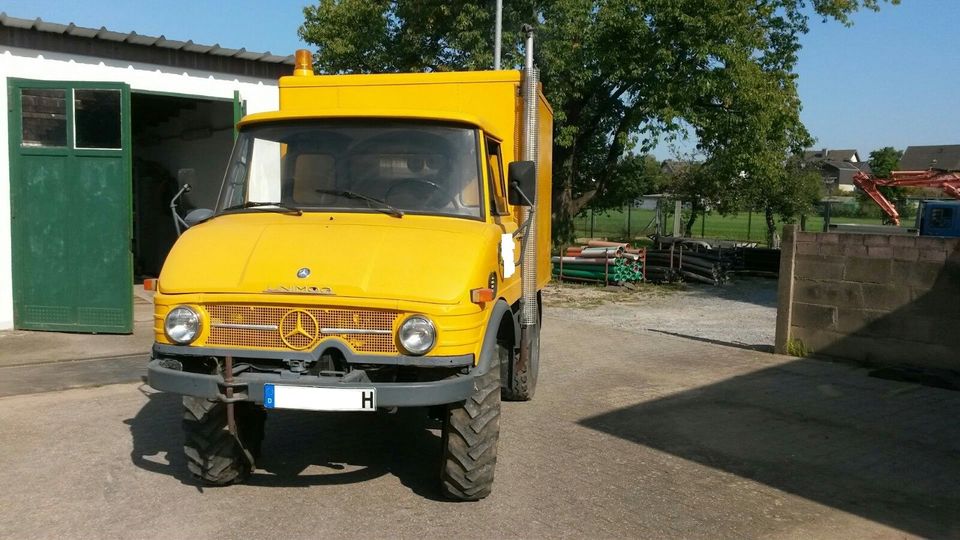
column 171, row 133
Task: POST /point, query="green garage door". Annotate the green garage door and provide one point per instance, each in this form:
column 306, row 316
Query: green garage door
column 71, row 206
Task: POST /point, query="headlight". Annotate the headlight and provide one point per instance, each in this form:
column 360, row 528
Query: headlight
column 182, row 325
column 417, row 335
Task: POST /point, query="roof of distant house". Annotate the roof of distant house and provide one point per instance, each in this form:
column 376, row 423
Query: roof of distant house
column 676, row 166
column 921, row 158
column 842, row 165
column 833, row 155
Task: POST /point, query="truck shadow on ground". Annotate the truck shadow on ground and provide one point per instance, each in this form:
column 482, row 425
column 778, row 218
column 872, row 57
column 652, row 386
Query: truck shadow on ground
column 886, row 451
column 303, row 449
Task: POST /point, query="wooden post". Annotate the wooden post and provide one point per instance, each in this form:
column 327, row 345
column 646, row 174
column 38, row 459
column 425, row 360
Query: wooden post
column 677, row 219
column 785, row 285
column 629, row 211
column 563, row 253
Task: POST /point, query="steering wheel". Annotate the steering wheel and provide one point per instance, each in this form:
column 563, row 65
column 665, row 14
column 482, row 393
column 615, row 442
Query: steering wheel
column 416, row 186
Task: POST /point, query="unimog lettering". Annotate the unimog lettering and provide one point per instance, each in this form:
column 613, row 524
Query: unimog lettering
column 297, row 289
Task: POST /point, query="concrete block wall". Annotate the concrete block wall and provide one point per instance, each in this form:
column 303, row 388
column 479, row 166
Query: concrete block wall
column 871, row 298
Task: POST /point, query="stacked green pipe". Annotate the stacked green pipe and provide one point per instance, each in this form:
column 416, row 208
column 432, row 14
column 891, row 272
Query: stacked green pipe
column 604, row 266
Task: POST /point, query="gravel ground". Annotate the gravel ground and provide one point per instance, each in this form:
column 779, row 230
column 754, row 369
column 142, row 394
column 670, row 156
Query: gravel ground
column 742, row 313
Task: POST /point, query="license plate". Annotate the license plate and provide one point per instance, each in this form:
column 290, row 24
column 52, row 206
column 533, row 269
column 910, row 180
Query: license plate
column 310, row 398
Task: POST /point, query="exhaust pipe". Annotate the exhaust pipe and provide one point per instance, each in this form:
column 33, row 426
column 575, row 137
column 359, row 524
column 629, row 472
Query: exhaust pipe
column 531, row 152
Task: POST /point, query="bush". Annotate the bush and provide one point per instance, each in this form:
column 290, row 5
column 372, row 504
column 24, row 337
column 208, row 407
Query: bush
column 795, row 347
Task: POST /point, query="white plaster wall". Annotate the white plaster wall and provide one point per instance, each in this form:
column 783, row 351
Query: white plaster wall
column 260, row 94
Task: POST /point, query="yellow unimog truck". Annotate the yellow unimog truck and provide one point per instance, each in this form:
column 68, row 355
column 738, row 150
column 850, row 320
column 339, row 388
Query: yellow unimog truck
column 379, row 242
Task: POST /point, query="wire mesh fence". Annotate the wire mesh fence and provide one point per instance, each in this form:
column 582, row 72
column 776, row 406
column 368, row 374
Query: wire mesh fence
column 629, row 224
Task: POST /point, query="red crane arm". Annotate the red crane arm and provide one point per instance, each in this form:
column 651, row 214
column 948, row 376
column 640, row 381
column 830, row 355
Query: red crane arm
column 869, row 186
column 948, row 182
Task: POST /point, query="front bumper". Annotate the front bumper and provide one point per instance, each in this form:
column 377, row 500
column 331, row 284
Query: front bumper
column 249, row 386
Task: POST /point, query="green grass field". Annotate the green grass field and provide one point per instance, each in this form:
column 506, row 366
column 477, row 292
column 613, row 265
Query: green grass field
column 741, row 227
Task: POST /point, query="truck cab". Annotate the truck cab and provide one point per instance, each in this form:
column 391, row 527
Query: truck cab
column 366, row 253
column 939, row 218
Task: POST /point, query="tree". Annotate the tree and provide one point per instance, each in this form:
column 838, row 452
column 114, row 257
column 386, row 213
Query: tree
column 885, row 160
column 691, row 182
column 620, row 74
column 882, row 162
column 795, row 191
column 638, row 175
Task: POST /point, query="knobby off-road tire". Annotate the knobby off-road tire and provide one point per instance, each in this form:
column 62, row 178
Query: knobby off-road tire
column 213, row 454
column 471, row 430
column 521, row 383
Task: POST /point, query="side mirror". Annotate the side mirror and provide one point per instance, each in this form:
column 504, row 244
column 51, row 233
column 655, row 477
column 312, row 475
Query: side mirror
column 197, row 215
column 522, row 177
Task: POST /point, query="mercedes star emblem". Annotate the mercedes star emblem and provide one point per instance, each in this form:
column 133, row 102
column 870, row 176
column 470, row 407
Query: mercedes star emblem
column 299, row 329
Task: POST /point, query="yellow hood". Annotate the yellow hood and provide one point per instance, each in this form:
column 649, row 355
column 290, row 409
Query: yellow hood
column 414, row 258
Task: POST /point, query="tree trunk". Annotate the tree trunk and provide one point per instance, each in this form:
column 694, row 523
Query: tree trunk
column 563, row 204
column 771, row 225
column 563, row 231
column 688, row 226
column 565, row 207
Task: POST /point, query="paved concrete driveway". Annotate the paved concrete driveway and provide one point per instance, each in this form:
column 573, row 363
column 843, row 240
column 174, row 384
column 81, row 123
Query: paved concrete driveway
column 631, row 434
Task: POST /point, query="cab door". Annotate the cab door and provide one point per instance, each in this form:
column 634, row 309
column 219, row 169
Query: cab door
column 501, row 213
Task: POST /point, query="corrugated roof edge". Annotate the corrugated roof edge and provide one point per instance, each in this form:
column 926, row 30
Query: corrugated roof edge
column 134, row 38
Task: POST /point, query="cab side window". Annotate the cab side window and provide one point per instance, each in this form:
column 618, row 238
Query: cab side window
column 941, row 218
column 498, row 201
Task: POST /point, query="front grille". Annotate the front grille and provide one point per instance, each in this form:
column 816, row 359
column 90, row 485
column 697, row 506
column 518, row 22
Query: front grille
column 293, row 328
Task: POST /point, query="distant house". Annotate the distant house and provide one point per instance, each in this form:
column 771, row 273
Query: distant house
column 837, row 167
column 921, row 158
column 676, row 167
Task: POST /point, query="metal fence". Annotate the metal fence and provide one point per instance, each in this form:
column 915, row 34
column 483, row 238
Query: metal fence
column 630, row 224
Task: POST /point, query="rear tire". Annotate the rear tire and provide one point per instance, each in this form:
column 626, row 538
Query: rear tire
column 471, row 430
column 213, row 454
column 522, row 382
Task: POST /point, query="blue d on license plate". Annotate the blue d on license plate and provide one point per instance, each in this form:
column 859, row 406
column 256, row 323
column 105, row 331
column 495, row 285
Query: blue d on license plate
column 309, row 398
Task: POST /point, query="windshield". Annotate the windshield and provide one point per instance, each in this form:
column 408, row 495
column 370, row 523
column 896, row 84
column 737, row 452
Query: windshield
column 394, row 167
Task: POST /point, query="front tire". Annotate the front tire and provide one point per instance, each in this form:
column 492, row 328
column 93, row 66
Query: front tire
column 213, row 454
column 471, row 430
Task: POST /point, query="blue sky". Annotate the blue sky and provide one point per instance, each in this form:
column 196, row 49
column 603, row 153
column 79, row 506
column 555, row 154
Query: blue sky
column 893, row 79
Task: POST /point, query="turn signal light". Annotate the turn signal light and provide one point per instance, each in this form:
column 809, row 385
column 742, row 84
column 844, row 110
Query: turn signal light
column 150, row 284
column 479, row 296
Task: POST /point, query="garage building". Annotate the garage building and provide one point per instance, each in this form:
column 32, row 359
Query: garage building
column 102, row 129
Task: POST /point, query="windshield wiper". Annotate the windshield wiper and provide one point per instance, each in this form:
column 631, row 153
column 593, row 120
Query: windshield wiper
column 385, row 207
column 279, row 207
